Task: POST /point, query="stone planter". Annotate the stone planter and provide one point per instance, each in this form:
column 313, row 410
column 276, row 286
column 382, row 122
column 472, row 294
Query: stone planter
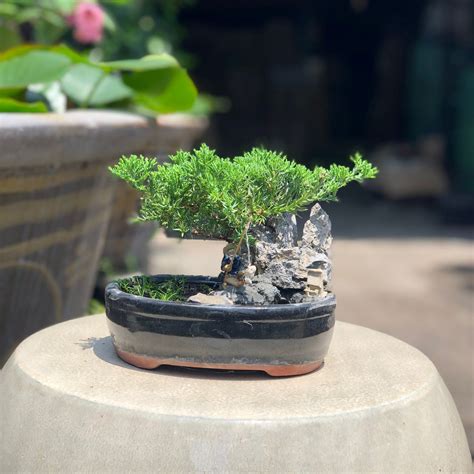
column 126, row 242
column 68, row 404
column 55, row 201
column 279, row 339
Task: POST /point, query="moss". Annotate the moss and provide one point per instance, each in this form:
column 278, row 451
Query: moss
column 174, row 289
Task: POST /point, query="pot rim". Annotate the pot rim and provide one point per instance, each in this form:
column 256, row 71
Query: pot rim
column 115, row 294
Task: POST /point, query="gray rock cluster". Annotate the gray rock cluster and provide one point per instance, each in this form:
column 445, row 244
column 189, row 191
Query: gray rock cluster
column 257, row 293
column 282, row 261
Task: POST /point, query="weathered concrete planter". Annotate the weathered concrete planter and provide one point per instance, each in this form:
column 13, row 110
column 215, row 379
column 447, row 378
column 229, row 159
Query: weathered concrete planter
column 126, row 241
column 279, row 339
column 55, row 201
column 68, row 404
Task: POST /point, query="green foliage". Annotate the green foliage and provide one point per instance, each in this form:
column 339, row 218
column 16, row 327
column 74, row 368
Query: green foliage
column 46, row 19
column 95, row 307
column 155, row 83
column 12, row 105
column 32, row 67
column 201, row 193
column 146, row 27
column 169, row 290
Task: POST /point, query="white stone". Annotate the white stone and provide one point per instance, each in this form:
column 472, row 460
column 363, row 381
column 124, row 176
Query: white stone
column 317, row 229
column 68, row 404
column 202, row 298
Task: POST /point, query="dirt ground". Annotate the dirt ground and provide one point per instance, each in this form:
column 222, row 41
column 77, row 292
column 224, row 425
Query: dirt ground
column 397, row 269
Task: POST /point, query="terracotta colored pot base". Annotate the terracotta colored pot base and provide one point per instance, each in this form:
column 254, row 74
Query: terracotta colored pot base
column 146, row 362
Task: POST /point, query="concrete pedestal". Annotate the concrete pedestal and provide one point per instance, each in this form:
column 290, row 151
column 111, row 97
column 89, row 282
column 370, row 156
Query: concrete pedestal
column 68, row 404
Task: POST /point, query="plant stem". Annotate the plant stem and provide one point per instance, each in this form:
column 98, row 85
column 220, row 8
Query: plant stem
column 85, row 102
column 242, row 237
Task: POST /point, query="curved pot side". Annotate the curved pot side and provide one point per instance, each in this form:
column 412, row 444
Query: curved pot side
column 55, row 201
column 281, row 340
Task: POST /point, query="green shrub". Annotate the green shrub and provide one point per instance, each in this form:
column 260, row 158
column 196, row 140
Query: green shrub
column 201, row 193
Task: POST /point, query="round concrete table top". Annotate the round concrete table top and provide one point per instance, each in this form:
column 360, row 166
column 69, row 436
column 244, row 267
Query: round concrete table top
column 69, row 404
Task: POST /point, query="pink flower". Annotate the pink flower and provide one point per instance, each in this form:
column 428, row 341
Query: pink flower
column 88, row 22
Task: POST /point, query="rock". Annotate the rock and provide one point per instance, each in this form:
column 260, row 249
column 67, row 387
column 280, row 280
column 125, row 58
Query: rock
column 233, row 280
column 249, row 273
column 280, row 233
column 246, row 294
column 286, row 230
column 288, row 268
column 270, row 292
column 281, row 230
column 297, row 298
column 282, row 272
column 259, row 293
column 317, row 230
column 310, row 259
column 212, row 299
column 282, row 262
column 265, row 252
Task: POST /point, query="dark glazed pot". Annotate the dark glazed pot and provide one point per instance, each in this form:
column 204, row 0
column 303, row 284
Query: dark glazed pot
column 282, row 340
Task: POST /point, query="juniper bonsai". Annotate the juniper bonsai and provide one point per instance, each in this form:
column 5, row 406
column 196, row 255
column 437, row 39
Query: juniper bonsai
column 200, row 193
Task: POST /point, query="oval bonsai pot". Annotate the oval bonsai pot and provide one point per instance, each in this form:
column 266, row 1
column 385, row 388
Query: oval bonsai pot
column 279, row 339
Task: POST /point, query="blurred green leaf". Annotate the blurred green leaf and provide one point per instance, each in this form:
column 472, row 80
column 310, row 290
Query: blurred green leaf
column 117, row 2
column 31, row 68
column 28, row 14
column 147, row 63
column 95, row 307
column 89, row 85
column 11, row 105
column 11, row 92
column 47, row 33
column 8, row 38
column 154, row 82
column 207, row 104
column 64, row 6
column 59, row 49
column 158, row 45
column 18, row 51
column 74, row 56
column 8, row 10
column 109, row 22
column 165, row 90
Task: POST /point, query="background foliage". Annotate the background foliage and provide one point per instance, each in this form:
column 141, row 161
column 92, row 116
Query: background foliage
column 155, row 83
column 56, row 77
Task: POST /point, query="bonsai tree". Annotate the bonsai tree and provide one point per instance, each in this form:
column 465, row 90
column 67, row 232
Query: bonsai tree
column 250, row 201
column 200, row 193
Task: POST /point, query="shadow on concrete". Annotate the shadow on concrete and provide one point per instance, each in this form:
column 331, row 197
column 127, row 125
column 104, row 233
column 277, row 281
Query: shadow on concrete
column 103, row 348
